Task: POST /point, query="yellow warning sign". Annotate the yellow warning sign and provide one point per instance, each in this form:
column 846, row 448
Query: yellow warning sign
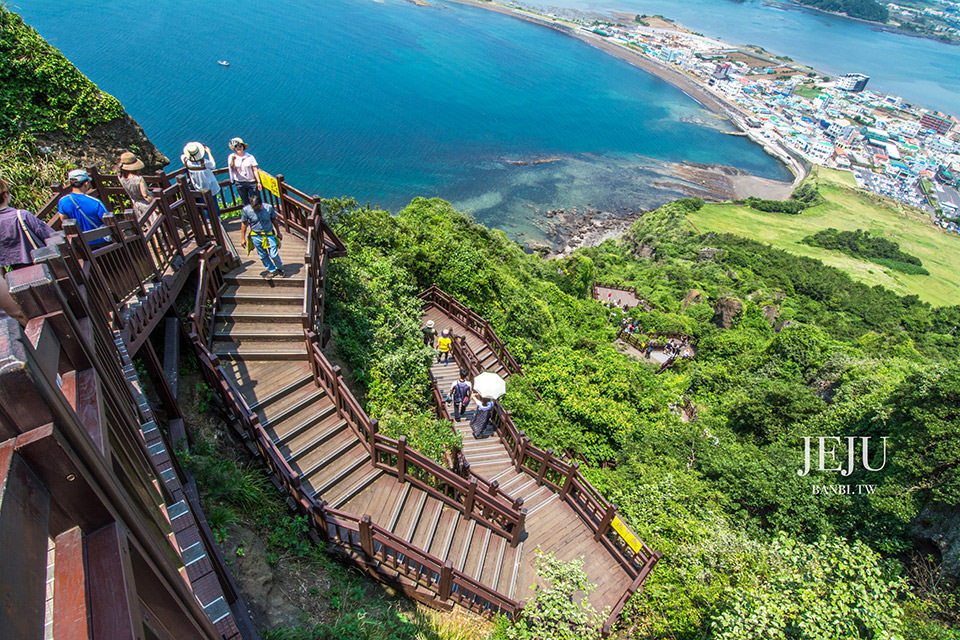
column 269, row 183
column 626, row 534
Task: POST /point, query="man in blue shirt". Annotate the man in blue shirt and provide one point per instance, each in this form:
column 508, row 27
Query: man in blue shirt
column 264, row 226
column 80, row 206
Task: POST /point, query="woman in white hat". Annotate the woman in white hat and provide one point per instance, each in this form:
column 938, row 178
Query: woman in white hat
column 133, row 183
column 429, row 333
column 243, row 170
column 199, row 163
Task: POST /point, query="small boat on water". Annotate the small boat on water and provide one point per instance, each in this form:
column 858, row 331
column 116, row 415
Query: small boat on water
column 223, row 63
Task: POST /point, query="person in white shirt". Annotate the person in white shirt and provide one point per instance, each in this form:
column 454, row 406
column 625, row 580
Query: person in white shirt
column 198, row 160
column 243, row 170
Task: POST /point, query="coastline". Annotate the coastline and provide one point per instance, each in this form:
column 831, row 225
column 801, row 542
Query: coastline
column 689, row 86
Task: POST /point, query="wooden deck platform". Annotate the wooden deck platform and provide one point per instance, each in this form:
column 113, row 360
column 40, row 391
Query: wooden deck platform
column 551, row 524
column 259, row 340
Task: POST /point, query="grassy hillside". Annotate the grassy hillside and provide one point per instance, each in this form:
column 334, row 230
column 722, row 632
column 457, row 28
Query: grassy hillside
column 848, row 209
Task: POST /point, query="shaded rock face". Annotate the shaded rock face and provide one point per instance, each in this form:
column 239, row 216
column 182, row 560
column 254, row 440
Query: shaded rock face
column 940, row 525
column 726, row 311
column 693, row 297
column 771, row 313
column 103, row 145
column 644, row 251
column 707, row 253
column 783, row 325
column 262, row 591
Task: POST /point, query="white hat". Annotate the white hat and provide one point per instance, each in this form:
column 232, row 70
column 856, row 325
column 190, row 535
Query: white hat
column 193, row 150
column 429, row 324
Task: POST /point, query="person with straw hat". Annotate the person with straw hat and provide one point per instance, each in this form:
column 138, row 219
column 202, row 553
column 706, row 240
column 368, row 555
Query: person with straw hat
column 243, row 170
column 198, row 161
column 134, row 184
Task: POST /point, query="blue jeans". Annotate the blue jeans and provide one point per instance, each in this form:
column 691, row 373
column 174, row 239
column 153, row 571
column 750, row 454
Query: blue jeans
column 245, row 190
column 270, row 256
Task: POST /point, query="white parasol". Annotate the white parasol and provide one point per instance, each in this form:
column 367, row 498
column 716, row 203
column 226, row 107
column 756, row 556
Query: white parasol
column 489, row 385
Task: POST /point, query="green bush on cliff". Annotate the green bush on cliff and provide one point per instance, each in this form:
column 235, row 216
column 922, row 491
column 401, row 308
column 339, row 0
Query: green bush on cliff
column 41, row 91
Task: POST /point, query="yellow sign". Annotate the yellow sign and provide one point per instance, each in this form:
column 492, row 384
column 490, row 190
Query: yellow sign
column 625, row 533
column 269, row 183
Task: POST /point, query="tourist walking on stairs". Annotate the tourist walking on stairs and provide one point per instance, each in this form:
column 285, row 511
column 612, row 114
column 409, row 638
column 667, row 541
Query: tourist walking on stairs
column 265, row 235
column 460, row 394
column 429, row 334
column 134, row 184
column 198, row 161
column 243, row 170
column 80, row 206
column 481, row 417
column 20, row 233
column 444, row 346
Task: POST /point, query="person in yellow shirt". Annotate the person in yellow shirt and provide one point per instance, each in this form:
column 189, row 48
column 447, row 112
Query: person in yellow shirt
column 444, row 346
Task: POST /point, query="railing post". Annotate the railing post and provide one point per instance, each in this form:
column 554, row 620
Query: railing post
column 492, row 492
column 366, row 536
column 196, row 224
column 547, row 459
column 322, row 516
column 522, row 443
column 518, row 528
column 402, row 458
column 446, row 580
column 469, row 498
column 605, row 522
column 211, row 211
column 97, row 179
column 336, row 382
column 372, row 432
column 281, row 200
column 568, row 480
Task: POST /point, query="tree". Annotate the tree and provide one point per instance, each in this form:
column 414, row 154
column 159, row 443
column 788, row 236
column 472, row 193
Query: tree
column 555, row 613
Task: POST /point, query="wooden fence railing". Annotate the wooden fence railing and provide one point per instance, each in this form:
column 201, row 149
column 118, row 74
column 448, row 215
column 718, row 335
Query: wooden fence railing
column 374, row 546
column 563, row 477
column 473, row 322
column 640, row 345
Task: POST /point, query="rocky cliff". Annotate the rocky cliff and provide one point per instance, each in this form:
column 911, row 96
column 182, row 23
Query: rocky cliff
column 54, row 117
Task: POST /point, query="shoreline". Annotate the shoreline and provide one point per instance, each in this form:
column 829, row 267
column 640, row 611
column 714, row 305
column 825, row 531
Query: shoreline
column 687, row 85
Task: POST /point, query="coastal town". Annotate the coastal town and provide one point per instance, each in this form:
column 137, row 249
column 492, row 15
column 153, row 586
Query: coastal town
column 892, row 148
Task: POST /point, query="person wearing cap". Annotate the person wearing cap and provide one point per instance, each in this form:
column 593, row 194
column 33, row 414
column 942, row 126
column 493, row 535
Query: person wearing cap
column 444, row 344
column 429, row 334
column 243, row 170
column 264, row 226
column 80, row 206
column 198, row 161
column 134, row 184
column 20, row 232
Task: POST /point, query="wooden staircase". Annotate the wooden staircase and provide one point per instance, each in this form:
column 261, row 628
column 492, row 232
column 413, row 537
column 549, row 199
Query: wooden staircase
column 258, row 337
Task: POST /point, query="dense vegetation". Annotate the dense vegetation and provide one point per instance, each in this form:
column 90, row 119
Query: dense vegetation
column 41, row 92
column 860, row 244
column 864, row 9
column 812, row 353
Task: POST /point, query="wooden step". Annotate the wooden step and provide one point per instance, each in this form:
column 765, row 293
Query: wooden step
column 285, row 432
column 478, row 557
column 322, row 434
column 398, row 509
column 244, row 318
column 226, row 333
column 328, row 480
column 310, row 465
column 276, row 298
column 261, row 352
column 443, row 536
column 518, row 558
column 249, row 278
column 493, row 561
column 356, row 485
column 427, row 527
column 282, row 392
column 464, row 550
column 410, row 525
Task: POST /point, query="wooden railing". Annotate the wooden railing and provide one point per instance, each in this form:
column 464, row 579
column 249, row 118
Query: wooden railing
column 371, row 545
column 492, row 508
column 562, row 477
column 640, row 345
column 474, row 323
column 619, row 287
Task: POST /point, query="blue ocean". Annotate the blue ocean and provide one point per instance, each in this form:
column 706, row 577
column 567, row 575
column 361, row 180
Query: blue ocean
column 386, row 101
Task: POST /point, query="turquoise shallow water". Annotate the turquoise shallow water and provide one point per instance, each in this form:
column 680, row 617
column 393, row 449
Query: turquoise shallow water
column 387, row 101
column 922, row 71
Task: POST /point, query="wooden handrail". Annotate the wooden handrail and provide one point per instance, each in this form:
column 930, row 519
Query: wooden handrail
column 565, row 478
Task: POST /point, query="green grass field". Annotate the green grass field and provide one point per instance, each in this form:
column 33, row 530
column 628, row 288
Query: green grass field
column 847, row 208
